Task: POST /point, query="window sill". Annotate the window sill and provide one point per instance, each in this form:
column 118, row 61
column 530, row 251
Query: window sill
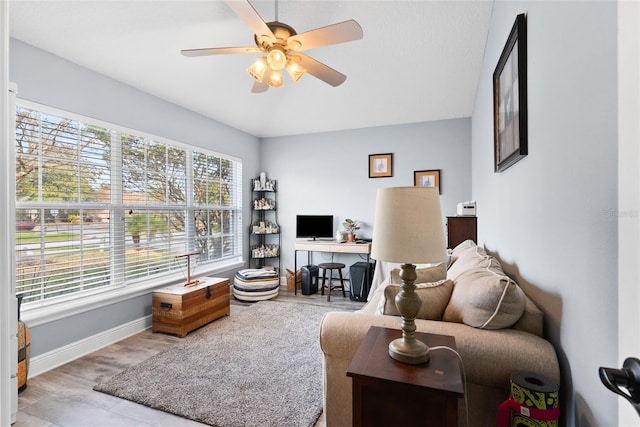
column 39, row 314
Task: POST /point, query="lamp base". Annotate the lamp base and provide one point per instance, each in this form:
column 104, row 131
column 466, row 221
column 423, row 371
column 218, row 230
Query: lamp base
column 408, row 349
column 413, row 352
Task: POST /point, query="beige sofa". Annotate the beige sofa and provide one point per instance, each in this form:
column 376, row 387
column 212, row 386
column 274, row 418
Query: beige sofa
column 498, row 330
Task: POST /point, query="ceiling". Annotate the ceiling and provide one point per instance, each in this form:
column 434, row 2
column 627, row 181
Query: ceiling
column 419, row 60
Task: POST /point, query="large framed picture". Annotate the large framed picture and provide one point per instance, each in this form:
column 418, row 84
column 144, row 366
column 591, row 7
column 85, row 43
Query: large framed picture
column 380, row 165
column 510, row 99
column 430, row 178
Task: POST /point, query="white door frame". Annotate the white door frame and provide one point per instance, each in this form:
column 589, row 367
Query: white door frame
column 8, row 331
column 628, row 192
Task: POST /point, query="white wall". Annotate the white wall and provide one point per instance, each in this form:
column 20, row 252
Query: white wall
column 551, row 218
column 327, row 173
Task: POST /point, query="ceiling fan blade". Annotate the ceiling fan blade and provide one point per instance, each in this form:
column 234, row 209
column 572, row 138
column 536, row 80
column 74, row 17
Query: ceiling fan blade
column 331, row 34
column 251, row 18
column 218, row 51
column 259, row 87
column 321, row 71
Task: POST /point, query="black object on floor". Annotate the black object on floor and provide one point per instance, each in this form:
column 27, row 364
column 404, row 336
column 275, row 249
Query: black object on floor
column 309, row 279
column 361, row 278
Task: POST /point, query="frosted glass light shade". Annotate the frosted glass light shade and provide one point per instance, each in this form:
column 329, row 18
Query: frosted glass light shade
column 295, row 70
column 276, row 58
column 275, row 78
column 258, row 69
column 408, row 226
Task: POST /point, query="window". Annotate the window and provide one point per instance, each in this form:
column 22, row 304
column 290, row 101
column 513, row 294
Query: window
column 99, row 206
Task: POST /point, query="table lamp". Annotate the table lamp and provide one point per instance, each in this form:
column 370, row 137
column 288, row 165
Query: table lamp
column 408, row 229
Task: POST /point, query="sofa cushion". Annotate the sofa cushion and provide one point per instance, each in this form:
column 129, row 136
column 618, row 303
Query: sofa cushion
column 532, row 319
column 424, row 275
column 483, row 296
column 434, row 296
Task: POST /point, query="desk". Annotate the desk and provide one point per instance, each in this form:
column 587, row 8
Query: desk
column 331, row 246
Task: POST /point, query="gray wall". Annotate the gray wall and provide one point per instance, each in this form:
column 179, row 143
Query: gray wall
column 50, row 80
column 328, row 173
column 551, row 217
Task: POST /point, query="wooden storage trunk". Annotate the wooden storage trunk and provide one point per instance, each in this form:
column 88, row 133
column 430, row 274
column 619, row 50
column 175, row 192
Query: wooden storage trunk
column 180, row 309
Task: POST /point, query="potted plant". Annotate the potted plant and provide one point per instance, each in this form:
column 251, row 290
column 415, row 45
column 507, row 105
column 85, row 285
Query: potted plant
column 350, row 227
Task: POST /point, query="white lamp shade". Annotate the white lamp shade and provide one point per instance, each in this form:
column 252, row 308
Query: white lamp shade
column 408, row 226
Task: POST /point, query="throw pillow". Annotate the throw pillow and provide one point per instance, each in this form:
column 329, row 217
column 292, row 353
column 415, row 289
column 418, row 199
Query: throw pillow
column 470, row 258
column 463, row 247
column 434, row 297
column 425, row 275
column 484, row 297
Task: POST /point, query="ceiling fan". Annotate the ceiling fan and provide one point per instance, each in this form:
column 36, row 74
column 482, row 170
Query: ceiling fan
column 283, row 47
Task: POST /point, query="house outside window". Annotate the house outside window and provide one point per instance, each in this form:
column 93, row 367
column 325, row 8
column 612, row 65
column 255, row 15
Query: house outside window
column 99, row 206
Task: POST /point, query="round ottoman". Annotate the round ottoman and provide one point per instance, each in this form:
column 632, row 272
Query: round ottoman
column 255, row 285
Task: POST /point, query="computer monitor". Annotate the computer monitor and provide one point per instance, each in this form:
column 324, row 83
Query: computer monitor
column 314, row 226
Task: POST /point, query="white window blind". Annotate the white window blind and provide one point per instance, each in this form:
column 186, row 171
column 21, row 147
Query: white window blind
column 99, row 206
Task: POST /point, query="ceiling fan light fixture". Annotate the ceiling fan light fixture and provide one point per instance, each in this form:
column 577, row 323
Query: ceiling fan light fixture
column 258, row 68
column 280, row 43
column 277, row 58
column 295, row 70
column 275, row 78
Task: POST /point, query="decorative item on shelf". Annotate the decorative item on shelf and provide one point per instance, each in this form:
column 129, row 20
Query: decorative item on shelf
column 265, row 251
column 263, row 184
column 264, row 204
column 265, row 227
column 340, row 236
column 350, row 227
column 408, row 229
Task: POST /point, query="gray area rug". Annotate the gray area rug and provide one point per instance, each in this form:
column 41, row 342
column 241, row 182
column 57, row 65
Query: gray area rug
column 260, row 367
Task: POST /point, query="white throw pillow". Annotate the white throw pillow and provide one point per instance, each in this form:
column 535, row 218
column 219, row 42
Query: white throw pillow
column 484, row 297
column 434, row 296
column 424, row 275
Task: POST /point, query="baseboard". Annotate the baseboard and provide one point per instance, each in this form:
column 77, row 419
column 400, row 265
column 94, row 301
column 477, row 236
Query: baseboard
column 58, row 357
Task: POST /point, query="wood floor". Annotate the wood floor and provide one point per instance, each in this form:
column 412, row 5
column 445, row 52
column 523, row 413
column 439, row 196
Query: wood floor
column 64, row 396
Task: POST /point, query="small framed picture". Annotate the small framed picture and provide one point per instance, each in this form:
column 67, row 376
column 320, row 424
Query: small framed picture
column 380, row 165
column 429, row 178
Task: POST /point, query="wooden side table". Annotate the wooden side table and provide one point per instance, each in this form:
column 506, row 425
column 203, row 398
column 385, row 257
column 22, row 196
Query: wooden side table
column 387, row 392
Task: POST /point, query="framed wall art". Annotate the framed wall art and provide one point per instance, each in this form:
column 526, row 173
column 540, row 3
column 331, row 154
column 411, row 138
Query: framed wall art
column 510, row 99
column 380, row 165
column 429, row 178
